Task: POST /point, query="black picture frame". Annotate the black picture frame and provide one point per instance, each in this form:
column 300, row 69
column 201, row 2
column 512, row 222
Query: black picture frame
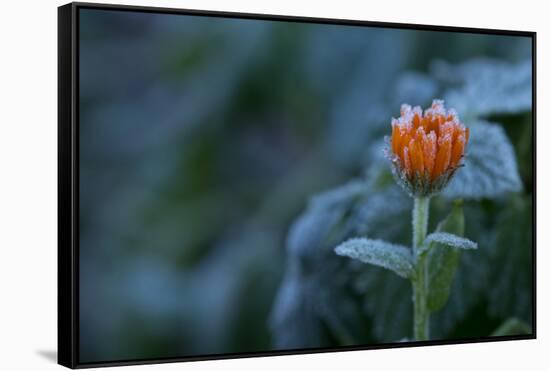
column 68, row 180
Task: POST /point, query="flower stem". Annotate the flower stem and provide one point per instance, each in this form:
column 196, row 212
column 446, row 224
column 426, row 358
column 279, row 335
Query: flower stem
column 420, row 281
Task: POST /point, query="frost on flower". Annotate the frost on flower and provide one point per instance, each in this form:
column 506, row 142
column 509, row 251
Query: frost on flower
column 426, row 148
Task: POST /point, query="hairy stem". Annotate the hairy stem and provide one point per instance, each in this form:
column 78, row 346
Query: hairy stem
column 420, row 280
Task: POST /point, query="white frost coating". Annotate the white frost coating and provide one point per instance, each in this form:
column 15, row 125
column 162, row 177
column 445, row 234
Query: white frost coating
column 417, row 111
column 484, row 86
column 323, row 211
column 421, row 132
column 490, row 168
column 405, row 109
column 445, row 138
column 433, row 138
column 449, row 240
column 380, row 253
column 394, row 122
column 437, row 108
column 454, row 113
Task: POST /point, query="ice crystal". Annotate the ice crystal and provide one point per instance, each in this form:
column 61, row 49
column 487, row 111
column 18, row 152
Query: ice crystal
column 426, row 149
column 448, row 239
column 377, row 252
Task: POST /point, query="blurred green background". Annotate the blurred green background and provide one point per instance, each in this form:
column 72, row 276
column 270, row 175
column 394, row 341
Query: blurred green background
column 201, row 141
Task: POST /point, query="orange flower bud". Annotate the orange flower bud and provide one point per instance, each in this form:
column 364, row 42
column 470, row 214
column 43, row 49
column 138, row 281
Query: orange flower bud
column 427, row 147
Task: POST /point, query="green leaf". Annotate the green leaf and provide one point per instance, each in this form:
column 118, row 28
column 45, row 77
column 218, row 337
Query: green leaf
column 380, row 253
column 447, row 240
column 494, row 281
column 511, row 291
column 513, row 326
column 443, row 262
column 490, row 169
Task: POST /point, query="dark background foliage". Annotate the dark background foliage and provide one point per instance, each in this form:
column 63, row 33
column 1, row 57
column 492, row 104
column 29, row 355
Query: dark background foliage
column 201, row 142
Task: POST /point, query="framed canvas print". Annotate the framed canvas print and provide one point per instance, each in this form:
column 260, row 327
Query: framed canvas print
column 236, row 185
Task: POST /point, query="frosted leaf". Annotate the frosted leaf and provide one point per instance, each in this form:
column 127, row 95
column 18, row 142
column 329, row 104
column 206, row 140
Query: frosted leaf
column 499, row 273
column 449, row 240
column 482, row 87
column 341, row 313
column 384, row 215
column 442, row 262
column 338, row 195
column 353, row 126
column 380, row 253
column 512, row 252
column 310, row 230
column 375, row 161
column 513, row 326
column 312, row 301
column 387, row 301
column 324, row 211
column 469, row 288
column 490, row 167
column 293, row 318
column 415, row 88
